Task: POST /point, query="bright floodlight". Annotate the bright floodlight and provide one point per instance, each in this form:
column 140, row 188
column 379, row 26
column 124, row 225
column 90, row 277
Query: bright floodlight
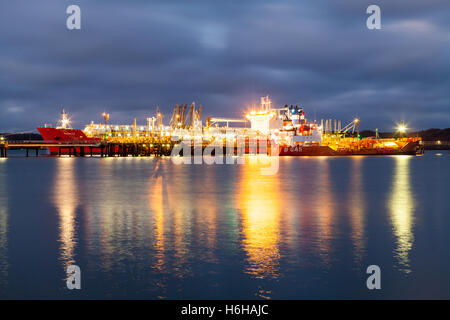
column 401, row 128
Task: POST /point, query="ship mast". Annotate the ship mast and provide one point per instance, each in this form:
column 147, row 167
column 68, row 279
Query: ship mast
column 64, row 122
column 266, row 104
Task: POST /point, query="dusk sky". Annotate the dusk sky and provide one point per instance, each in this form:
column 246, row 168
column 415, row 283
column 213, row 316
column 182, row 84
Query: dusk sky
column 131, row 56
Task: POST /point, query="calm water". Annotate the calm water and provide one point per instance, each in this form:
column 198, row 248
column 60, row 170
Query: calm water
column 147, row 228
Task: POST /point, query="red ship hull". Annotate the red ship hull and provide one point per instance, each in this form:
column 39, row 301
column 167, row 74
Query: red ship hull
column 68, row 136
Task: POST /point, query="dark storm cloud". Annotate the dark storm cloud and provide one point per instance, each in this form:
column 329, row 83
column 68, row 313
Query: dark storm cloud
column 131, row 56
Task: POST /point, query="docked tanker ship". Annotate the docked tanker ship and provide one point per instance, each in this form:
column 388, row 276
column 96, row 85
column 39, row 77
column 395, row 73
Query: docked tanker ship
column 285, row 128
column 63, row 134
column 296, row 136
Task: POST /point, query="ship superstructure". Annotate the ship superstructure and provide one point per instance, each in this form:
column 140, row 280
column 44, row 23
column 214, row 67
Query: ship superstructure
column 285, row 126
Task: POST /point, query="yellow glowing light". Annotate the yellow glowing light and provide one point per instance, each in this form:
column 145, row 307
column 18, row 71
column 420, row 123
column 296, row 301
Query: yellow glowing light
column 356, row 120
column 390, row 144
column 401, row 128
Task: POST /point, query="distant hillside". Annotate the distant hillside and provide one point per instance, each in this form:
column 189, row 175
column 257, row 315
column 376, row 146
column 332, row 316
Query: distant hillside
column 435, row 134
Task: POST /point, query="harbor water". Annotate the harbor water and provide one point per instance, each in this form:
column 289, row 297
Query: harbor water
column 147, row 228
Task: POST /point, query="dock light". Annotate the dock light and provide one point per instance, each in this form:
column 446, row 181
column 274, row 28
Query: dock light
column 65, row 122
column 106, row 117
column 401, row 127
column 356, row 120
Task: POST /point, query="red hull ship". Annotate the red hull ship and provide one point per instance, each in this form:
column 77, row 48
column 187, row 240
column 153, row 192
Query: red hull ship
column 66, row 136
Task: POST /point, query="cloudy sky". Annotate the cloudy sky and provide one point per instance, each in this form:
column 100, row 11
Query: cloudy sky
column 131, row 56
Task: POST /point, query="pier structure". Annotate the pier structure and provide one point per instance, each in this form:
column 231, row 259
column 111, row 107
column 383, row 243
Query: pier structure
column 150, row 146
column 3, row 148
column 36, row 146
column 137, row 147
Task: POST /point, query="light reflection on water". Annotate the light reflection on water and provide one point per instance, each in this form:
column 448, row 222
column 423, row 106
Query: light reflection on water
column 65, row 199
column 146, row 228
column 4, row 265
column 401, row 206
column 357, row 209
column 324, row 210
column 259, row 205
column 157, row 199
